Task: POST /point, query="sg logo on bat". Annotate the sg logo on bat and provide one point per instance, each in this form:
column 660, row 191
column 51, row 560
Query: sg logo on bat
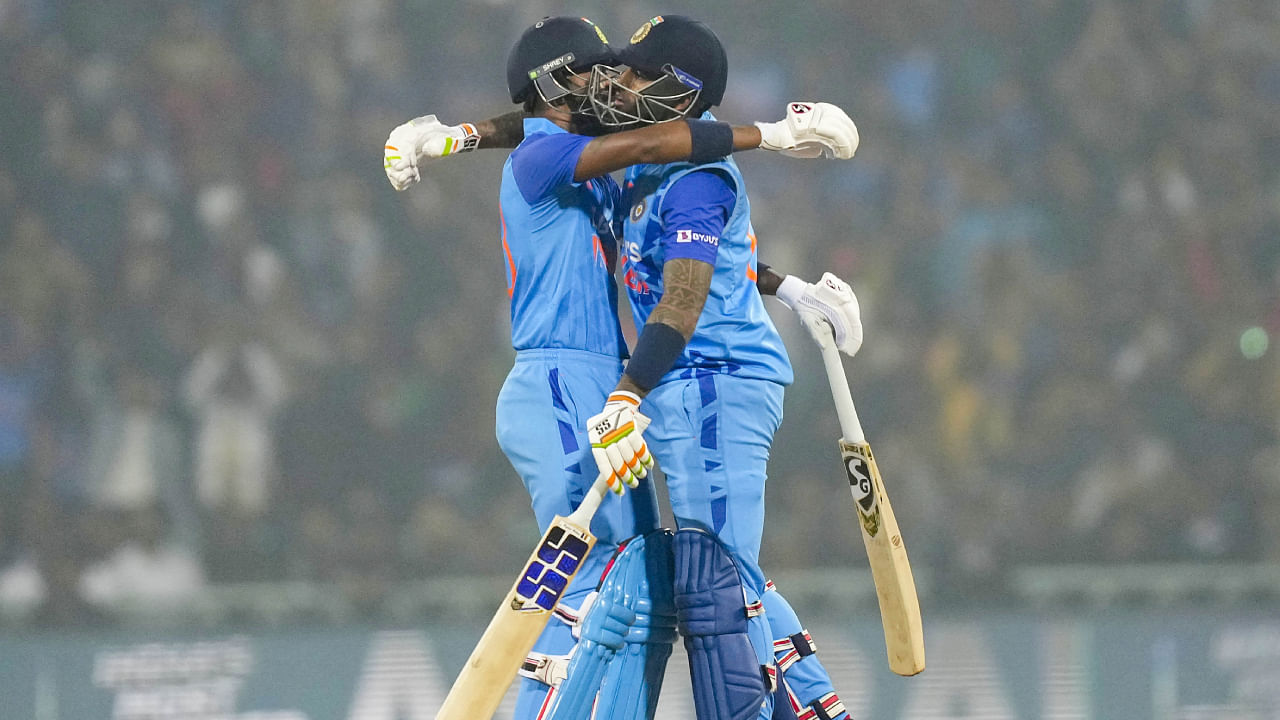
column 857, row 465
column 553, row 564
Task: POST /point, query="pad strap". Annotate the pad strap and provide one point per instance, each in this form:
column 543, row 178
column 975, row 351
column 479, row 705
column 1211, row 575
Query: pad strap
column 790, row 650
column 546, row 669
column 827, row 707
column 567, row 615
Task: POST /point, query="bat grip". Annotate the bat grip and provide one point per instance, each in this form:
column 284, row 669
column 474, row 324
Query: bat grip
column 850, row 428
column 590, row 503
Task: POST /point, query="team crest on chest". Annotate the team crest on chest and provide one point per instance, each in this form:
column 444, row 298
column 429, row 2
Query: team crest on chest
column 637, row 211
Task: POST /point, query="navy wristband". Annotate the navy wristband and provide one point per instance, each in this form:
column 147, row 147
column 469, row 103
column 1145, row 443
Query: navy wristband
column 656, row 352
column 711, row 140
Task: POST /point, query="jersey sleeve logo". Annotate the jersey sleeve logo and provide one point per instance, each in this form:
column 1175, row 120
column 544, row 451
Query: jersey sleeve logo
column 688, row 236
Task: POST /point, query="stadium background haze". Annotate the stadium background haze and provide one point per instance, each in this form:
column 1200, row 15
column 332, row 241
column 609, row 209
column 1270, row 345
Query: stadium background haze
column 247, row 464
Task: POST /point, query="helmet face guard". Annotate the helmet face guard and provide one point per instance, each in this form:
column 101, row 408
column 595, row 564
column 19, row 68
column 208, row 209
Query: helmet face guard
column 658, row 101
column 553, row 83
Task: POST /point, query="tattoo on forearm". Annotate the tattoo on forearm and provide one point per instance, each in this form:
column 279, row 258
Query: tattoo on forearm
column 504, row 131
column 685, row 283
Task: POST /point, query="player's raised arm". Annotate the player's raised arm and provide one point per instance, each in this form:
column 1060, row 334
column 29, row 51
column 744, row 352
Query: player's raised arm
column 808, row 130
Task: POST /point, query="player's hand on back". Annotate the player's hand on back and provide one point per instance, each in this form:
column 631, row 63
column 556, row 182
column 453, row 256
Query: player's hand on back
column 828, row 309
column 617, row 441
column 811, row 130
column 421, row 139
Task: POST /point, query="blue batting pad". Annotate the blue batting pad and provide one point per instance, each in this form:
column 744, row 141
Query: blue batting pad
column 631, row 626
column 728, row 681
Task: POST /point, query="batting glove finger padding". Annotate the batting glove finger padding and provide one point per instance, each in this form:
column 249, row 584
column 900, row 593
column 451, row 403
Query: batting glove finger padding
column 401, row 171
column 811, row 130
column 400, row 156
column 617, row 441
column 423, row 138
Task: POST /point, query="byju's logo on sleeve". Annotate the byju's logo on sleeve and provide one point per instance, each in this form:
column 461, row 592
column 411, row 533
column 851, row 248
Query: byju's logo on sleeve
column 684, row 236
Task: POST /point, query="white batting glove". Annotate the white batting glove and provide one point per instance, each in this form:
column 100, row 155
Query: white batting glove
column 420, row 139
column 828, row 308
column 400, row 151
column 617, row 441
column 444, row 140
column 811, row 130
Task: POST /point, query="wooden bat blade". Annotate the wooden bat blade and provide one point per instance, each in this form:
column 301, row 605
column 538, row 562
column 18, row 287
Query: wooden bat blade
column 887, row 555
column 520, row 619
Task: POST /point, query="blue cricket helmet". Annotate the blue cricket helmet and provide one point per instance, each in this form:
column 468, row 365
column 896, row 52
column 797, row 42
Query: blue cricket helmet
column 684, row 45
column 551, row 49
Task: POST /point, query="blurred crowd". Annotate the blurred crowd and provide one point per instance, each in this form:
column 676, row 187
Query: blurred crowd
column 230, row 353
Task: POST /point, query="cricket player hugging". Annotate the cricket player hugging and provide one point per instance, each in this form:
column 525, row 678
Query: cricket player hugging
column 708, row 368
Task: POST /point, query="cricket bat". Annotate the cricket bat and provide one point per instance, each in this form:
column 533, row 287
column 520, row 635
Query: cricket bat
column 890, row 569
column 523, row 614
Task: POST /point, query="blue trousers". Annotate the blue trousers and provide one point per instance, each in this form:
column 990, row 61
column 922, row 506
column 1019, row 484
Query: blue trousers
column 711, row 435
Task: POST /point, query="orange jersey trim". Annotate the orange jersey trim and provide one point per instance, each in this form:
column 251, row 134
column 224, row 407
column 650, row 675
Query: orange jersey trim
column 511, row 263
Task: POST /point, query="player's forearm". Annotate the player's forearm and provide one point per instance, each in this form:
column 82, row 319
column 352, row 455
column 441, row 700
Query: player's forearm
column 626, row 384
column 503, row 131
column 786, row 288
column 767, row 281
column 686, row 284
column 655, row 145
column 746, row 137
column 656, row 352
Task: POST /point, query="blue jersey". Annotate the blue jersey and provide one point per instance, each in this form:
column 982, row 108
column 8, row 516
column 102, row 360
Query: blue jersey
column 734, row 333
column 559, row 245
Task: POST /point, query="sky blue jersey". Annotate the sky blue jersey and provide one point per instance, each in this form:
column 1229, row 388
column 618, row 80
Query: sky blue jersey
column 734, row 333
column 559, row 245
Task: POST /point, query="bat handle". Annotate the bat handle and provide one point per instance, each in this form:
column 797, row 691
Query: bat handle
column 590, row 503
column 850, row 428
